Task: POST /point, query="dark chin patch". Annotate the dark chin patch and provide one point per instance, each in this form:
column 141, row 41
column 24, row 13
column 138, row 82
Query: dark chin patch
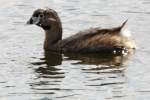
column 30, row 21
column 46, row 27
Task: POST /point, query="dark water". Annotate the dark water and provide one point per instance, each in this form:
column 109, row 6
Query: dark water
column 27, row 73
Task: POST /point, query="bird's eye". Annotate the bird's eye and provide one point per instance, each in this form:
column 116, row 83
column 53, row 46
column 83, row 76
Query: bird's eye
column 41, row 15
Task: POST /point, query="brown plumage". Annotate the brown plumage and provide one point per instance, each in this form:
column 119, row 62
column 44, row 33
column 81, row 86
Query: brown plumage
column 93, row 40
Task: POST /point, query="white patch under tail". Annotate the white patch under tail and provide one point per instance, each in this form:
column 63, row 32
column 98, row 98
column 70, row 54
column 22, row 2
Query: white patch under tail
column 125, row 32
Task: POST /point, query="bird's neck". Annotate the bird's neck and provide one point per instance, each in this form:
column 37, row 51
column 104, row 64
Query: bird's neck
column 52, row 36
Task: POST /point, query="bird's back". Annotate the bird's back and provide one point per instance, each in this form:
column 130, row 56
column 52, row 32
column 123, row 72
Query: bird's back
column 102, row 40
column 93, row 40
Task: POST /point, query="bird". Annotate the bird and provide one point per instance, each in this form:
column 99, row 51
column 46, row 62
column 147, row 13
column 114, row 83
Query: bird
column 93, row 40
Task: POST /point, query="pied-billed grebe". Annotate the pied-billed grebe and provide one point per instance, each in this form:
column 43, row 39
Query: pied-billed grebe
column 93, row 40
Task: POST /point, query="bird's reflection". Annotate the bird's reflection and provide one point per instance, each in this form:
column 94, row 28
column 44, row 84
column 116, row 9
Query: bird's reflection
column 51, row 74
column 48, row 63
column 52, row 59
column 98, row 59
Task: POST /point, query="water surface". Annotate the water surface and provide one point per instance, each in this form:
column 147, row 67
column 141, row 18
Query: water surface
column 27, row 73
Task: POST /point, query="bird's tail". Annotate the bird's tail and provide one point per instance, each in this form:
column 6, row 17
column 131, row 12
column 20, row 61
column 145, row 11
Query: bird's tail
column 123, row 24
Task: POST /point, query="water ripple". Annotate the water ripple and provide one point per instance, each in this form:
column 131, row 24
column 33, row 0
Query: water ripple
column 26, row 73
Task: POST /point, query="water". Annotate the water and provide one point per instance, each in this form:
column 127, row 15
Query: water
column 27, row 73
